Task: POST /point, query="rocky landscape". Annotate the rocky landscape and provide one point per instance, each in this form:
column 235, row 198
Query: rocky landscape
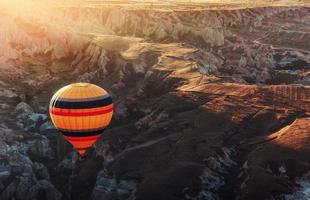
column 210, row 103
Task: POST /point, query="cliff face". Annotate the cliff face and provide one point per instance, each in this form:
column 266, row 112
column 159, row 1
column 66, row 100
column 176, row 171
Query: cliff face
column 210, row 104
column 259, row 45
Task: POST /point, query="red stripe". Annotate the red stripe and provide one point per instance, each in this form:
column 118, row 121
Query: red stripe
column 95, row 137
column 81, row 114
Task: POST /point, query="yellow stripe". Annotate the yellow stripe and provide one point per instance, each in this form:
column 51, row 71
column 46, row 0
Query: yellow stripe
column 90, row 91
column 78, row 123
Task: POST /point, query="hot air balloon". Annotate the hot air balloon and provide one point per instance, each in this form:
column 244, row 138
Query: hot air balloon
column 81, row 112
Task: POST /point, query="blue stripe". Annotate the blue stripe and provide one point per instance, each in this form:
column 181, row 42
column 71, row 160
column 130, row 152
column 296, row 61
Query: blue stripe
column 58, row 103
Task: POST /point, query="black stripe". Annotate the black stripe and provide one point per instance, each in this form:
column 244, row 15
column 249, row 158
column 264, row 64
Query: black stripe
column 82, row 134
column 81, row 105
column 79, row 131
column 82, row 148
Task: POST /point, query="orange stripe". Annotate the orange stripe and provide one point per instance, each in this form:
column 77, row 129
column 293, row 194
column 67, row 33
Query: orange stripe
column 82, row 144
column 81, row 152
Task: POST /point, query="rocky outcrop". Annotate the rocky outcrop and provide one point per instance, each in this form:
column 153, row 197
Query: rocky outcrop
column 108, row 188
column 20, row 176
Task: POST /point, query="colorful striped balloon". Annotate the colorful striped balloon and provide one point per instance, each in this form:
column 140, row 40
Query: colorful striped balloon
column 81, row 112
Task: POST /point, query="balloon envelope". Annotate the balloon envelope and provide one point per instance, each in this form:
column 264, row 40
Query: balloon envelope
column 81, row 112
